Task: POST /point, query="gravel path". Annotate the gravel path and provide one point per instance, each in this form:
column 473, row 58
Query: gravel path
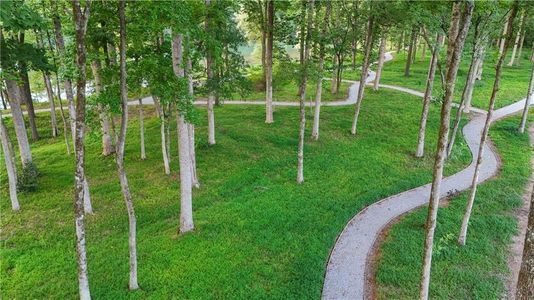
column 346, row 270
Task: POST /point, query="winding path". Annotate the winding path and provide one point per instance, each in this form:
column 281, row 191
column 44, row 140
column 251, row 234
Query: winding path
column 346, row 270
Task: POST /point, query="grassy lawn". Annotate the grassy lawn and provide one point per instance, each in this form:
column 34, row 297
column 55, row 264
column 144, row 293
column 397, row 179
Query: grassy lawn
column 514, row 79
column 258, row 234
column 477, row 270
column 288, row 92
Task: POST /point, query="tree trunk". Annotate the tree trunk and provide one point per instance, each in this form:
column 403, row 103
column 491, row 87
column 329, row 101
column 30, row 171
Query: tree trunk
column 423, row 52
column 11, row 166
column 210, row 70
column 191, row 127
column 427, row 96
column 498, row 71
column 63, row 119
column 132, row 244
column 269, row 64
column 457, row 34
column 525, row 283
column 305, row 45
column 410, row 54
column 142, row 129
column 107, row 141
column 381, row 54
column 164, row 153
column 521, row 42
column 50, row 94
column 186, row 197
column 471, row 77
column 70, row 98
column 517, row 39
column 465, row 102
column 27, row 96
column 400, row 42
column 363, row 76
column 319, row 88
column 523, row 122
column 502, row 40
column 480, row 66
column 334, row 75
column 18, row 122
column 4, row 104
column 80, row 20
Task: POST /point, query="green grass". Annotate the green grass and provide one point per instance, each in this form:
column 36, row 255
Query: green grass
column 477, row 270
column 258, row 234
column 514, row 80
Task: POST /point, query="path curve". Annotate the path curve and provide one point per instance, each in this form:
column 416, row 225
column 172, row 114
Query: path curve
column 346, row 272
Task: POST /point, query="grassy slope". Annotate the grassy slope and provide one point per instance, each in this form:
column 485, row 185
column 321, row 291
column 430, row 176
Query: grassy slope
column 258, row 233
column 514, row 79
column 475, row 271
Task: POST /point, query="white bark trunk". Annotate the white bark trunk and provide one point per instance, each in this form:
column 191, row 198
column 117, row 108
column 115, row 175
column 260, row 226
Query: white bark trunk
column 524, row 116
column 164, row 153
column 363, row 76
column 194, row 176
column 132, row 222
column 10, row 165
column 521, row 42
column 269, row 64
column 50, row 94
column 210, row 74
column 18, row 122
column 334, row 76
column 142, row 129
column 427, row 96
column 516, row 43
column 457, row 35
column 184, row 147
column 483, row 138
column 480, row 66
column 471, row 78
column 107, row 142
column 381, row 53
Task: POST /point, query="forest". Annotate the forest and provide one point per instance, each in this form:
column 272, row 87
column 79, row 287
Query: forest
column 266, row 149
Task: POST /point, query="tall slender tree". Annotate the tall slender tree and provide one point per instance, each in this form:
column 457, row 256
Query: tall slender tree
column 524, row 115
column 489, row 116
column 269, row 63
column 460, row 22
column 11, row 168
column 80, row 20
column 210, row 70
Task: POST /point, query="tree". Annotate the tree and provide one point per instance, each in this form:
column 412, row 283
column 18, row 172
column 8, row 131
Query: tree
column 269, row 63
column 420, row 152
column 132, row 235
column 498, row 71
column 49, row 89
column 381, row 54
column 410, row 54
column 70, row 96
column 305, row 32
column 80, row 18
column 460, row 21
column 210, row 65
column 319, row 88
column 365, row 69
column 523, row 122
column 517, row 39
column 18, row 121
column 142, row 129
column 525, row 284
column 11, row 168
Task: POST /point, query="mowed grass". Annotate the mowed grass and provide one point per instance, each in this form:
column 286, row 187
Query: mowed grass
column 514, row 79
column 258, row 234
column 477, row 270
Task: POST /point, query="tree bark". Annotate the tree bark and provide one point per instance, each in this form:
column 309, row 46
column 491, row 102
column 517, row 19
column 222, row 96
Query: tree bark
column 269, row 64
column 381, row 54
column 210, row 72
column 70, row 98
column 80, row 21
column 18, row 122
column 164, row 152
column 107, row 141
column 525, row 283
column 363, row 76
column 521, row 42
column 63, row 119
column 305, row 45
column 4, row 104
column 186, row 197
column 410, row 54
column 194, row 177
column 27, row 96
column 427, row 96
column 496, row 83
column 50, row 94
column 142, row 129
column 319, row 88
column 11, row 168
column 516, row 43
column 465, row 102
column 457, row 34
column 335, row 67
column 524, row 115
column 400, row 42
column 132, row 235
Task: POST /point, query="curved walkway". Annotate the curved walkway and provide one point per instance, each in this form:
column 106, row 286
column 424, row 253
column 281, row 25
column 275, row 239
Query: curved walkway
column 346, row 270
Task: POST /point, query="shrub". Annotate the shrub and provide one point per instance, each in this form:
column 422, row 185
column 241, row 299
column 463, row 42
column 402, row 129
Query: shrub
column 27, row 181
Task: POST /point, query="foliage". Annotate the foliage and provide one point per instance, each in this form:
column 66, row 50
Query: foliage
column 27, row 179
